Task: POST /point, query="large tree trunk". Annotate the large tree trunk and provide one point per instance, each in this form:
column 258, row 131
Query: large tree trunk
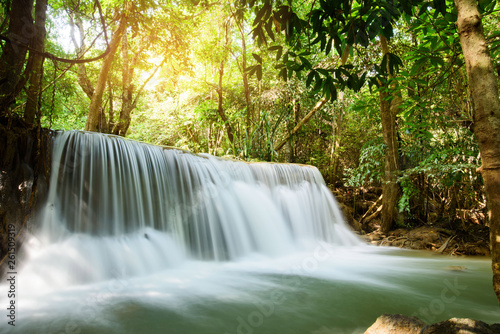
column 484, row 88
column 389, row 105
column 94, row 119
column 13, row 58
column 38, row 43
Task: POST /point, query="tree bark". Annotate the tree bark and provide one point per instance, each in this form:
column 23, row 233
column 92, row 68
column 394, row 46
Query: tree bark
column 13, row 58
column 337, row 125
column 249, row 114
column 484, row 88
column 38, row 43
column 94, row 119
column 389, row 105
column 129, row 103
column 127, row 88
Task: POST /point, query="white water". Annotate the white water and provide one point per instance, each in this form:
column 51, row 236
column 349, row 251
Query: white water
column 136, row 236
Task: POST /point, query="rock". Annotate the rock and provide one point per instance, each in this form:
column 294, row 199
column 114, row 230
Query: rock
column 401, row 324
column 456, row 268
column 396, row 324
column 459, row 326
column 495, row 328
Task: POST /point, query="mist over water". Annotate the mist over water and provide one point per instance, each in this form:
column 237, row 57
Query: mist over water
column 139, row 238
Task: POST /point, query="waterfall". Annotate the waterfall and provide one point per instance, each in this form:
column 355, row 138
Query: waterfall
column 117, row 205
column 137, row 238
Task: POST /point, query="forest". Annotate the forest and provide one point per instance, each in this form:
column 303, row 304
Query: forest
column 395, row 102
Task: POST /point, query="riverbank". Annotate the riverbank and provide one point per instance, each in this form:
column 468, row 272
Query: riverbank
column 437, row 239
column 466, row 233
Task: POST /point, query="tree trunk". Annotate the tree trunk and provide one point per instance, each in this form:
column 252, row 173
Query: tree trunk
column 128, row 102
column 484, row 88
column 38, row 43
column 13, row 58
column 220, row 108
column 337, row 131
column 94, row 119
column 337, row 125
column 124, row 121
column 389, row 104
column 291, row 123
column 249, row 115
column 111, row 108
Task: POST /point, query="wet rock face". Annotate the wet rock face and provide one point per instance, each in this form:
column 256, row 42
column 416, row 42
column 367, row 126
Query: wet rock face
column 396, row 324
column 401, row 324
column 461, row 326
column 24, row 164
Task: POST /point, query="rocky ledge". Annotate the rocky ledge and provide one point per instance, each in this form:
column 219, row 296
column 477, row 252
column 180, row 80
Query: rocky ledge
column 401, row 324
column 436, row 239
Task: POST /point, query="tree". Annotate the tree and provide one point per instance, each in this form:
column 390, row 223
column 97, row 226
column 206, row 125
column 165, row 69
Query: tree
column 13, row 58
column 225, row 35
column 240, row 22
column 35, row 62
column 95, row 117
column 389, row 108
column 336, row 24
column 484, row 88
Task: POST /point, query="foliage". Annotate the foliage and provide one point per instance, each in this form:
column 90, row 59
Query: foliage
column 370, row 169
column 293, row 52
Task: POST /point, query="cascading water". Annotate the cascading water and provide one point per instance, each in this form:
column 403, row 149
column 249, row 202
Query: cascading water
column 206, row 208
column 140, row 238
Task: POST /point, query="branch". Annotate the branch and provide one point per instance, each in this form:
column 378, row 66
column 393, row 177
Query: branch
column 65, row 60
column 301, row 123
column 139, row 92
column 54, row 57
column 98, row 5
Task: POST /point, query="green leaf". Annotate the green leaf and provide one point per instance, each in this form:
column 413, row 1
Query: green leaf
column 305, row 62
column 406, row 6
column 257, row 57
column 329, row 46
column 394, row 63
column 440, row 6
column 418, row 65
column 278, row 48
column 283, row 74
column 310, row 78
column 269, row 29
column 259, row 72
column 362, row 37
column 262, row 13
column 317, row 85
column 251, row 70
